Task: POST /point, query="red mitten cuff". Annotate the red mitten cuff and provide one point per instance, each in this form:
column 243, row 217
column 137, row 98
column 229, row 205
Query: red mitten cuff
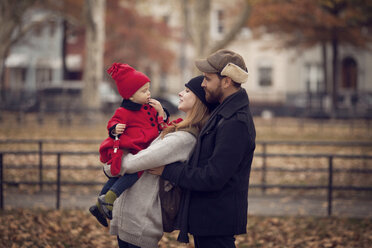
column 161, row 123
column 175, row 121
column 116, row 162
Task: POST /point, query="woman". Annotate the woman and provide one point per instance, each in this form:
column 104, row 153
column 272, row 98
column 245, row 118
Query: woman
column 137, row 219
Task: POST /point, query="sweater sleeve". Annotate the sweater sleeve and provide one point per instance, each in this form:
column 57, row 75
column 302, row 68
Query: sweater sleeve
column 176, row 146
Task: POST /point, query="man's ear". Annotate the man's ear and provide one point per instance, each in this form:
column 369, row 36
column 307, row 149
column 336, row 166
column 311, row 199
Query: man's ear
column 226, row 82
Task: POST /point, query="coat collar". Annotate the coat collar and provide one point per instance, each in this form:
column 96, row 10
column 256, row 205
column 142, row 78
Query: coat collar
column 128, row 104
column 233, row 103
column 227, row 109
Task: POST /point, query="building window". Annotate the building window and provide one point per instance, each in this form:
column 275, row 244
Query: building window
column 43, row 75
column 163, row 82
column 265, row 76
column 18, row 77
column 220, row 22
column 314, row 78
column 349, row 73
column 52, row 28
column 37, row 29
column 72, row 37
column 166, row 19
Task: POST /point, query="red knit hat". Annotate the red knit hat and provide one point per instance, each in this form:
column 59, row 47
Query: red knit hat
column 127, row 79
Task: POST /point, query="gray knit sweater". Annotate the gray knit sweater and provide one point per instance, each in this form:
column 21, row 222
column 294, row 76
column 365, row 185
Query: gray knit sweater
column 137, row 213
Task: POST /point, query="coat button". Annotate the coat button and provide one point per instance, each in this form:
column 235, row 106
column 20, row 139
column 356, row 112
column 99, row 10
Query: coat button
column 152, row 124
column 151, row 119
column 148, row 113
column 145, row 107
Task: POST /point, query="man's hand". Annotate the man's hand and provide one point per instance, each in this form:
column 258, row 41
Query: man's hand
column 119, row 129
column 157, row 106
column 157, row 171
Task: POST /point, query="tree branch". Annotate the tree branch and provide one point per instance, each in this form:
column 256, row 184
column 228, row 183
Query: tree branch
column 230, row 36
column 29, row 26
column 186, row 20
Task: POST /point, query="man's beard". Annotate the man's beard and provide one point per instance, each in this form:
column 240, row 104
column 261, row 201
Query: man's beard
column 213, row 97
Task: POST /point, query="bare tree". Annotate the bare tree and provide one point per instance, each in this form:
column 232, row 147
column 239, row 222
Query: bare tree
column 94, row 49
column 12, row 28
column 199, row 30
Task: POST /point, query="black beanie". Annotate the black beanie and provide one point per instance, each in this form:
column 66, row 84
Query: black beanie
column 195, row 86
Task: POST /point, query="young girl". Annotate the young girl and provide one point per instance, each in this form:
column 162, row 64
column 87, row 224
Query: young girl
column 142, row 118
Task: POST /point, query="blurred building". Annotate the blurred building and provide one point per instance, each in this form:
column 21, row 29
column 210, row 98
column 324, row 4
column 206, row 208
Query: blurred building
column 34, row 60
column 289, row 82
column 43, row 71
column 281, row 82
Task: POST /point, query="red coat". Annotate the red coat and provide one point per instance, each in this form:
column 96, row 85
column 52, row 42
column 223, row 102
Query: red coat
column 142, row 127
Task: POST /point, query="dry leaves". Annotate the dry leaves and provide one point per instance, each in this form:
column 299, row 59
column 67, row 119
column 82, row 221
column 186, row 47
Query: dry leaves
column 298, row 232
column 39, row 228
column 76, row 228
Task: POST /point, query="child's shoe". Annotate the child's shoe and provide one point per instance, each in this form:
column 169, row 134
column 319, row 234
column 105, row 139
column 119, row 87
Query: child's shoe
column 98, row 213
column 106, row 207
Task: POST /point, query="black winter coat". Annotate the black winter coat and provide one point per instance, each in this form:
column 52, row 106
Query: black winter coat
column 217, row 176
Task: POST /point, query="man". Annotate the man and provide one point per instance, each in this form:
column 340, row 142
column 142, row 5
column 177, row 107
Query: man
column 216, row 178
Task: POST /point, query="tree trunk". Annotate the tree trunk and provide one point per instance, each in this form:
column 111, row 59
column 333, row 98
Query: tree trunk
column 202, row 10
column 94, row 49
column 2, row 80
column 335, row 76
column 326, row 88
column 326, row 91
column 185, row 36
column 3, row 56
column 64, row 52
column 4, row 53
column 7, row 27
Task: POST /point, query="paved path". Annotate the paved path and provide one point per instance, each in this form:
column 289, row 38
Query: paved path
column 266, row 205
column 307, row 206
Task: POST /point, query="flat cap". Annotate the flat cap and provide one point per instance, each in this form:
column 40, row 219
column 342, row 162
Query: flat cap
column 232, row 62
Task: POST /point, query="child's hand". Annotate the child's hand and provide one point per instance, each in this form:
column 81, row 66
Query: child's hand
column 119, row 129
column 157, row 106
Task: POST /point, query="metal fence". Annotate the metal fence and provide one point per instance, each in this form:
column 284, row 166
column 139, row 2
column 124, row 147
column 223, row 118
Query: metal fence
column 264, row 168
